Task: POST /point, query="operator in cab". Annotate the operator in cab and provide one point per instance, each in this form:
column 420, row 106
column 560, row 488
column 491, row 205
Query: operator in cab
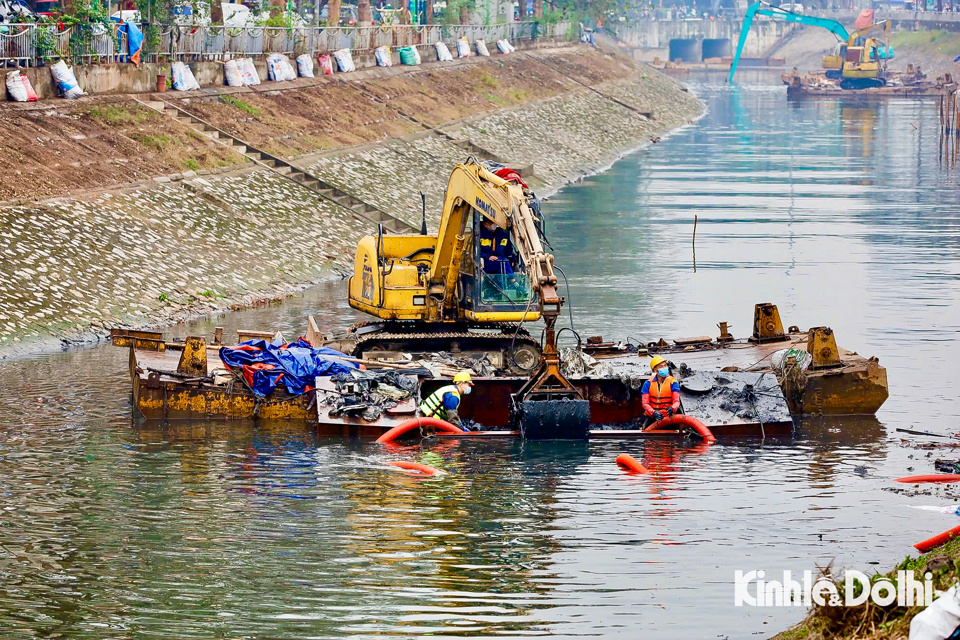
column 444, row 403
column 661, row 393
column 495, row 249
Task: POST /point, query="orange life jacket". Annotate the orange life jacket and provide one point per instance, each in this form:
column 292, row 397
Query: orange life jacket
column 661, row 397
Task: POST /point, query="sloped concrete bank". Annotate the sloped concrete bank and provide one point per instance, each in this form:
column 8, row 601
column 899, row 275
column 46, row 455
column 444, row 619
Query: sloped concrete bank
column 225, row 233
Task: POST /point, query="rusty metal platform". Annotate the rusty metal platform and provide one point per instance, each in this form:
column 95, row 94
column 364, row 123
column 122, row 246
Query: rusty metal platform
column 729, row 384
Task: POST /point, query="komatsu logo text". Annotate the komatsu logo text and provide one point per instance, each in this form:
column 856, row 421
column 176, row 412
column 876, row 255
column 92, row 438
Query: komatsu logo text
column 486, row 208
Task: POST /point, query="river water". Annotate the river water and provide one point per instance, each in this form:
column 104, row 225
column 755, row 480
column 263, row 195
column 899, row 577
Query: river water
column 841, row 213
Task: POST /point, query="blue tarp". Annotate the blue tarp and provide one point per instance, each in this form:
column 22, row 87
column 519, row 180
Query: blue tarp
column 296, row 364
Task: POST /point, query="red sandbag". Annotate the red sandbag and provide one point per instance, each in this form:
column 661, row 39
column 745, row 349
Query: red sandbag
column 31, row 94
column 326, row 63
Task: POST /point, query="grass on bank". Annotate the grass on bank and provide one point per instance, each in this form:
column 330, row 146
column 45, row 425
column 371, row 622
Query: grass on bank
column 938, row 41
column 873, row 622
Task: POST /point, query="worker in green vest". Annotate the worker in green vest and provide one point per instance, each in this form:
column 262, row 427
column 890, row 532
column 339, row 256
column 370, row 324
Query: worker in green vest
column 444, row 403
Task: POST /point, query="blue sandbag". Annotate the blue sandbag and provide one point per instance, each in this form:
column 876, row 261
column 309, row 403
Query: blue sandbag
column 296, row 364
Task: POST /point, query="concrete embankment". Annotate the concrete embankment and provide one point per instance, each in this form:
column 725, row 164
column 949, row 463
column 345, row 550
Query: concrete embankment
column 117, row 214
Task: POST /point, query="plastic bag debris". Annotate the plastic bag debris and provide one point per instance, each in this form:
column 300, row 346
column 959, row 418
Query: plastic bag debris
column 939, row 620
column 577, row 364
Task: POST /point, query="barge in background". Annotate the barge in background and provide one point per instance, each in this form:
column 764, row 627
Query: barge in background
column 732, row 385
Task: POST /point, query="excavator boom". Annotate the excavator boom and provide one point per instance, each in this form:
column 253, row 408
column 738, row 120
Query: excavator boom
column 764, row 9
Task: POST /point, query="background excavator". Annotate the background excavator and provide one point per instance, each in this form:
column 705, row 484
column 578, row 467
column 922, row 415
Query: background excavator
column 858, row 61
column 431, row 293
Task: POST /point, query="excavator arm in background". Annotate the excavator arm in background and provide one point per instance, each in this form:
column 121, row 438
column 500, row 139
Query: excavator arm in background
column 764, row 9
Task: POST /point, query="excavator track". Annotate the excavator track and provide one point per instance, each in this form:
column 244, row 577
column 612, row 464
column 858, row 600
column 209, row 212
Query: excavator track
column 519, row 351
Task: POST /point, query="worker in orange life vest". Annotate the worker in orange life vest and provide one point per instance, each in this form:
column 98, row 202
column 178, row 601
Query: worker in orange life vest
column 661, row 393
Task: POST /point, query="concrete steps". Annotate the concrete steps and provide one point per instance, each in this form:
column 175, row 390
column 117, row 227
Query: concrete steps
column 358, row 208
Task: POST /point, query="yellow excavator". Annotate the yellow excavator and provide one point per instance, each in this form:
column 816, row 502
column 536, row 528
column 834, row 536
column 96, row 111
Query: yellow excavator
column 860, row 62
column 433, row 293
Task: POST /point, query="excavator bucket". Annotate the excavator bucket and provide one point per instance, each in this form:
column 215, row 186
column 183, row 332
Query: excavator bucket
column 564, row 419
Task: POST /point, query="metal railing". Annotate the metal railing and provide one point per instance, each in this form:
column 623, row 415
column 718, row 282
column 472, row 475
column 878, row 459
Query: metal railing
column 25, row 45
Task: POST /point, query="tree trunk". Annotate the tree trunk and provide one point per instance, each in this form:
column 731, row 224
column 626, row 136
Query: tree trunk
column 464, row 14
column 428, row 11
column 333, row 13
column 537, row 8
column 364, row 17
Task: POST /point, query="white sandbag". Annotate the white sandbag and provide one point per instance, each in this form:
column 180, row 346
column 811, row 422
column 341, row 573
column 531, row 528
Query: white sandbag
column 382, row 54
column 305, row 66
column 344, row 60
column 275, row 71
column 463, row 48
column 183, row 79
column 18, row 92
column 249, row 72
column 416, row 53
column 482, row 50
column 231, row 71
column 65, row 80
column 505, row 47
column 443, row 54
column 289, row 73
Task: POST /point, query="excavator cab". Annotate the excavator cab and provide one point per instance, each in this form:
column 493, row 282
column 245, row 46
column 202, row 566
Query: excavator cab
column 493, row 278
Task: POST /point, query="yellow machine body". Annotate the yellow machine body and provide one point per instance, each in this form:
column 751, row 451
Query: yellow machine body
column 436, row 279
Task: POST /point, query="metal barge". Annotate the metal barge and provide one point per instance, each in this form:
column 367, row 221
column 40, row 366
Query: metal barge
column 730, row 384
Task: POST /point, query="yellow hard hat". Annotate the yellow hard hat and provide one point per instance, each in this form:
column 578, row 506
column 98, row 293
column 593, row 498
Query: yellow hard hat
column 463, row 376
column 656, row 362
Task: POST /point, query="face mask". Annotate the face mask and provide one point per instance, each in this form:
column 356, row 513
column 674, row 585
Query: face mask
column 663, row 372
column 466, row 391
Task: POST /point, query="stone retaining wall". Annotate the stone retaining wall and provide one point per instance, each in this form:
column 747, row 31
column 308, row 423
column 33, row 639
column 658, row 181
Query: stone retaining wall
column 146, row 256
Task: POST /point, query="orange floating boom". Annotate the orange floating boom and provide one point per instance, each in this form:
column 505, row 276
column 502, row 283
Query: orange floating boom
column 416, row 423
column 936, row 477
column 683, row 420
column 937, row 540
column 628, row 463
column 416, row 466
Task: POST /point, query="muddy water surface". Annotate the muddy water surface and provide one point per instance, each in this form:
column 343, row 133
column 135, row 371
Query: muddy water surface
column 840, row 213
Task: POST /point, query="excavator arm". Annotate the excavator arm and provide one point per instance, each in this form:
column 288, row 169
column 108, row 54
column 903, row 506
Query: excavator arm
column 764, row 9
column 473, row 188
column 548, row 406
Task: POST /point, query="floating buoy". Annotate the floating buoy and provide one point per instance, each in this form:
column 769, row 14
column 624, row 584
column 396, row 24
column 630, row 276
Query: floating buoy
column 424, row 470
column 416, row 423
column 936, row 477
column 937, row 540
column 628, row 463
column 683, row 420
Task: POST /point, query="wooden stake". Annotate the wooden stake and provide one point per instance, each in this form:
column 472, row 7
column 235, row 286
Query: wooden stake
column 694, row 243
